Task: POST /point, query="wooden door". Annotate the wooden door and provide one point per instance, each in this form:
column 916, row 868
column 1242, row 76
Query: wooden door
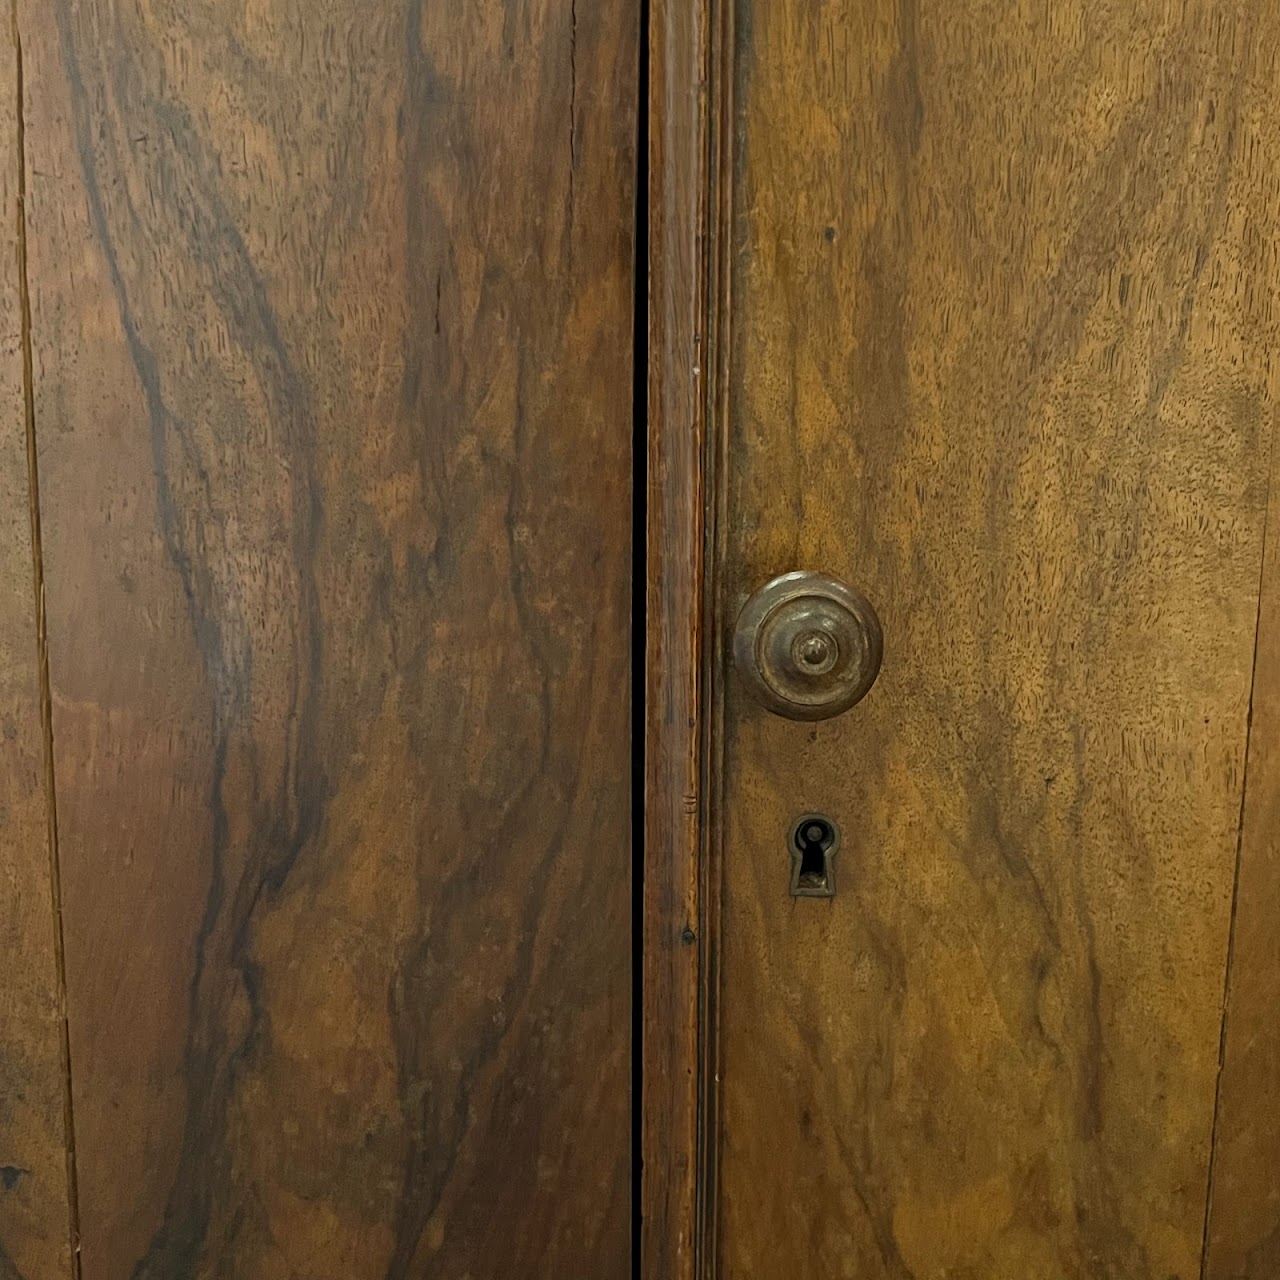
column 326, row 310
column 990, row 336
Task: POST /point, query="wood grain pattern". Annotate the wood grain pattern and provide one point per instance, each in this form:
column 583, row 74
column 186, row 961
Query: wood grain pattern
column 1004, row 325
column 675, row 964
column 332, row 314
column 35, row 1234
column 1243, row 1232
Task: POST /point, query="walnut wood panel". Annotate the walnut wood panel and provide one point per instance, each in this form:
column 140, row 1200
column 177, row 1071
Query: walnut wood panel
column 1243, row 1234
column 35, row 1219
column 1003, row 331
column 332, row 319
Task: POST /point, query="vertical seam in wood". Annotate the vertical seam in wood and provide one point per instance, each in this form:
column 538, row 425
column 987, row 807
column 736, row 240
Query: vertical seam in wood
column 639, row 717
column 1235, row 886
column 573, row 109
column 42, row 650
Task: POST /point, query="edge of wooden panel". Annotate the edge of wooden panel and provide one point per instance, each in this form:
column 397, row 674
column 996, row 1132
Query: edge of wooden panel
column 687, row 203
column 1242, row 1208
column 28, row 734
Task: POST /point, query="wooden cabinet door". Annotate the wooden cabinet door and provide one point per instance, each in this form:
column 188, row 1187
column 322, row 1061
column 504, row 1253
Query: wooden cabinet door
column 328, row 328
column 991, row 338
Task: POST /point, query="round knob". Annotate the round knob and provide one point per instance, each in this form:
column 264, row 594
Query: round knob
column 808, row 646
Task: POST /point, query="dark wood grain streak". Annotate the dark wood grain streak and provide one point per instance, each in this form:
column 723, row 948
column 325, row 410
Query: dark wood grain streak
column 35, row 1218
column 675, row 804
column 1004, row 325
column 1242, row 1232
column 332, row 330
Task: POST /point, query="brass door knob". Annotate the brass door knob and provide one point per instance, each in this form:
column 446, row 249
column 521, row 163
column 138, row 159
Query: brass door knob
column 808, row 646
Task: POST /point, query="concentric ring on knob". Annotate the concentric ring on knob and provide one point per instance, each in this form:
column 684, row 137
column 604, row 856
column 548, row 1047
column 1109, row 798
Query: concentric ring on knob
column 808, row 646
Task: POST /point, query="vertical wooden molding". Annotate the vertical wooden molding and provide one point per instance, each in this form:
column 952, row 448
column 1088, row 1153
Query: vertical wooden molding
column 688, row 101
column 674, row 639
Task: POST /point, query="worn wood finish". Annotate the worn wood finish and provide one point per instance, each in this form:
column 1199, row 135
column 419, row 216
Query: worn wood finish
column 332, row 329
column 680, row 209
column 1243, row 1234
column 1003, row 343
column 35, row 1218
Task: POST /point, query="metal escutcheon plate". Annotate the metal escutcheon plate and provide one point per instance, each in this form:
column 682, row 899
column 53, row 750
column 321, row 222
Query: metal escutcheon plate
column 808, row 646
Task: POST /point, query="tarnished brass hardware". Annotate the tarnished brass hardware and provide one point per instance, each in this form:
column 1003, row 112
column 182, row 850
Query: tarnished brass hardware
column 808, row 646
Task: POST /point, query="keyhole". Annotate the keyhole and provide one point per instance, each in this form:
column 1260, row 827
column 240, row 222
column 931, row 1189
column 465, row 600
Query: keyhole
column 813, row 851
column 814, row 841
